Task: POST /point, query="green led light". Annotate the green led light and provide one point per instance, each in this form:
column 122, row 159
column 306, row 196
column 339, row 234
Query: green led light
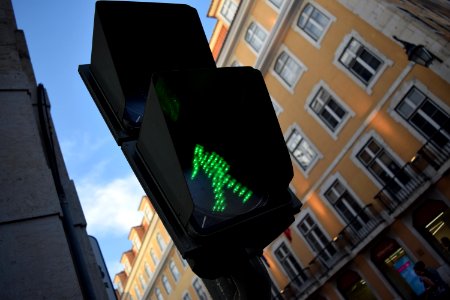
column 216, row 168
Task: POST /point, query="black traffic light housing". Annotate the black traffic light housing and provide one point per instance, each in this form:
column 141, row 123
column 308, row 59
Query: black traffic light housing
column 131, row 41
column 204, row 142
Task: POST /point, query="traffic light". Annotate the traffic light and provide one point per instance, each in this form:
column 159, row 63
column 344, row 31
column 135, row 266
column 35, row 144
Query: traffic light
column 133, row 40
column 204, row 142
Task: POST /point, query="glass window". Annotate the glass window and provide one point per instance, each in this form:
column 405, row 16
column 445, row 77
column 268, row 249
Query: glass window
column 380, row 163
column 142, row 281
column 301, row 149
column 148, row 271
column 316, row 238
column 199, row 289
column 158, row 294
column 430, row 120
column 137, row 292
column 277, row 3
column 174, row 271
column 313, row 22
column 328, row 109
column 255, row 36
column 360, row 61
column 155, row 258
column 228, row 10
column 136, row 242
column 187, row 297
column 290, row 264
column 119, row 287
column 346, row 205
column 161, row 243
column 287, row 68
column 166, row 284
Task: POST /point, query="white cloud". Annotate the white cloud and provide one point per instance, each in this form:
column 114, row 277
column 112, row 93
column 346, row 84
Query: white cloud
column 81, row 145
column 111, row 208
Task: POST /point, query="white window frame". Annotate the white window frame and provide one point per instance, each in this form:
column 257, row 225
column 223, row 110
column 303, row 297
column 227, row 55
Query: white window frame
column 159, row 295
column 276, row 106
column 307, row 140
column 303, row 69
column 186, row 296
column 174, row 271
column 148, row 271
column 326, row 186
column 362, row 143
column 305, row 35
column 299, row 219
column 203, row 288
column 399, row 96
column 275, row 247
column 259, row 27
column 142, row 281
column 166, row 284
column 137, row 242
column 229, row 3
column 385, row 62
column 154, row 257
column 161, row 242
column 274, row 6
column 137, row 292
column 349, row 113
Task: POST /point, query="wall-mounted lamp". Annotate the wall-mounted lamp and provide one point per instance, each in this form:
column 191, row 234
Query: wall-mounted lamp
column 418, row 53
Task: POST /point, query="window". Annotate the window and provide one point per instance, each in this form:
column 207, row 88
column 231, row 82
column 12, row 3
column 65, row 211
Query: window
column 166, row 284
column 277, row 3
column 158, row 294
column 161, row 243
column 148, row 213
column 430, row 120
column 301, row 150
column 183, row 261
column 287, row 69
column 344, row 203
column 276, row 106
column 235, row 63
column 155, row 258
column 187, row 296
column 148, row 271
column 360, row 61
column 174, row 271
column 255, row 36
column 142, row 281
column 328, row 109
column 313, row 22
column 136, row 242
column 290, row 264
column 316, row 239
column 379, row 162
column 127, row 267
column 137, row 292
column 119, row 287
column 199, row 289
column 228, row 10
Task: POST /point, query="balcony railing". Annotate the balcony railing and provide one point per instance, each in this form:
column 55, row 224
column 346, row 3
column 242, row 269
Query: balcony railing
column 433, row 155
column 297, row 286
column 361, row 225
column 328, row 257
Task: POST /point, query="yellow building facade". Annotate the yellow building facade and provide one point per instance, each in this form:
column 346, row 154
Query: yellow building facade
column 153, row 268
column 369, row 135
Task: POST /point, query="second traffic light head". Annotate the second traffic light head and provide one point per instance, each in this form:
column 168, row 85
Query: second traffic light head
column 133, row 40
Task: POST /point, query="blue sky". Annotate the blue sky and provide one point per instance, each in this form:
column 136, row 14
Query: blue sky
column 59, row 35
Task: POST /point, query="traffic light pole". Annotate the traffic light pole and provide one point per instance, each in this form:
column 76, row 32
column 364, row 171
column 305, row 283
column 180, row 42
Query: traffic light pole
column 248, row 280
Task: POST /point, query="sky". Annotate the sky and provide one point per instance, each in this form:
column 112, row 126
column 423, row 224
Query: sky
column 59, row 38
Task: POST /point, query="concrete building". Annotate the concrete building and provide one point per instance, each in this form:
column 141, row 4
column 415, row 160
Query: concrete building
column 368, row 132
column 44, row 248
column 153, row 267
